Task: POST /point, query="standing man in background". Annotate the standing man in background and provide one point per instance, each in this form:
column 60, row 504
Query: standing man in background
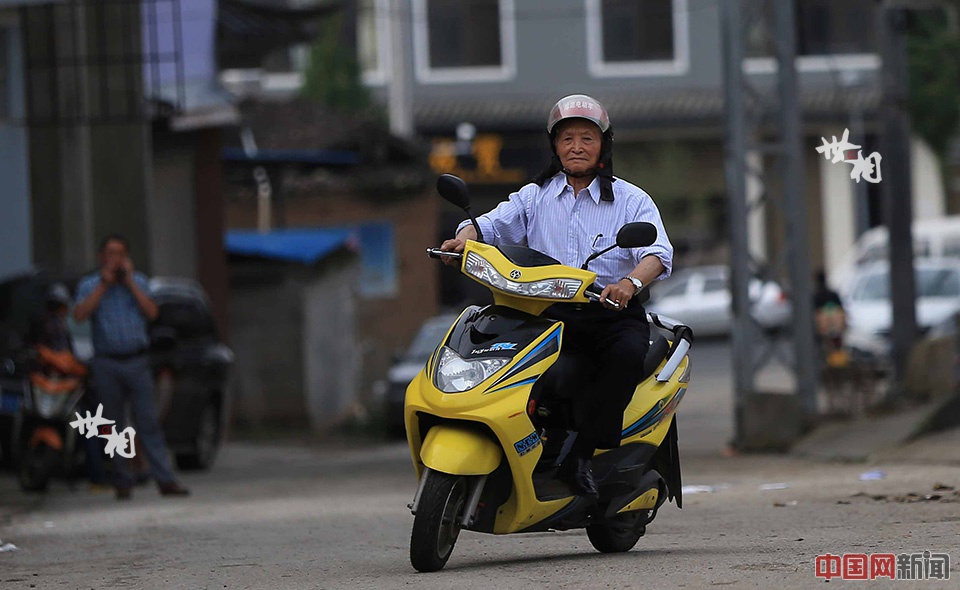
column 118, row 301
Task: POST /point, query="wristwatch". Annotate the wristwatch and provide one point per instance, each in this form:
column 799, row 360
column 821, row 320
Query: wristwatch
column 636, row 283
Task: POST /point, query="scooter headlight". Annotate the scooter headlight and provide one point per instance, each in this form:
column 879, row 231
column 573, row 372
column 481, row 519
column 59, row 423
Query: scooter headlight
column 480, row 268
column 456, row 374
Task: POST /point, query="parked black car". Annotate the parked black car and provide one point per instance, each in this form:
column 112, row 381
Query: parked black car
column 190, row 362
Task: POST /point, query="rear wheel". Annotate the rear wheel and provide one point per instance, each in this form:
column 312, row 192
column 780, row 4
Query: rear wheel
column 437, row 523
column 206, row 441
column 620, row 533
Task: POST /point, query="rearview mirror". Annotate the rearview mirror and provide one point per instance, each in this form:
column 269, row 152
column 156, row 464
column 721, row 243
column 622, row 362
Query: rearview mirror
column 454, row 190
column 636, row 235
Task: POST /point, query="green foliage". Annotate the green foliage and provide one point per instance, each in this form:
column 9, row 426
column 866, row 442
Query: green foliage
column 934, row 52
column 332, row 76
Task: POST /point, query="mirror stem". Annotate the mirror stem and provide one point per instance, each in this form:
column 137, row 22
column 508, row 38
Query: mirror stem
column 476, row 225
column 596, row 254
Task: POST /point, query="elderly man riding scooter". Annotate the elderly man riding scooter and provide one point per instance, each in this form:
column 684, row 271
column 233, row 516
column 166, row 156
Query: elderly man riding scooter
column 573, row 208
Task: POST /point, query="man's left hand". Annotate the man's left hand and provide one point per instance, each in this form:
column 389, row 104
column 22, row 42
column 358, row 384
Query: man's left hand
column 621, row 292
column 128, row 271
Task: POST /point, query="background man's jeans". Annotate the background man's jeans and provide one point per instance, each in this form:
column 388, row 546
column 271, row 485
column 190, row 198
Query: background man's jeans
column 131, row 381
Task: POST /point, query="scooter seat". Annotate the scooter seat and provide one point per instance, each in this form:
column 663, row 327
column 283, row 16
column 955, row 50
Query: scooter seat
column 658, row 350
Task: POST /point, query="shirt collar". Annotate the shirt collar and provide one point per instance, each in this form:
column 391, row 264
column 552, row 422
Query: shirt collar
column 561, row 186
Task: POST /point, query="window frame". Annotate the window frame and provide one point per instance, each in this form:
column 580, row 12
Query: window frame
column 678, row 66
column 426, row 74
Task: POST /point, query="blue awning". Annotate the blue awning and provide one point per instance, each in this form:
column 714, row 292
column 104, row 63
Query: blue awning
column 304, row 245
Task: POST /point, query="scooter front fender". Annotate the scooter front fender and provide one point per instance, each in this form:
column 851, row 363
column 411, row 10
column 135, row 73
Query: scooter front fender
column 459, row 451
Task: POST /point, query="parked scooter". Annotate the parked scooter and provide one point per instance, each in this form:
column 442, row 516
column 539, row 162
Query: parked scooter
column 475, row 422
column 53, row 386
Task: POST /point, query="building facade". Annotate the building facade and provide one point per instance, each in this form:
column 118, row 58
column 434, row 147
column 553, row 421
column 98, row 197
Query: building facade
column 493, row 68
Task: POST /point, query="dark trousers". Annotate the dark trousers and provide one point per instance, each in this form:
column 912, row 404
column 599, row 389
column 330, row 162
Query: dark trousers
column 600, row 365
column 120, row 383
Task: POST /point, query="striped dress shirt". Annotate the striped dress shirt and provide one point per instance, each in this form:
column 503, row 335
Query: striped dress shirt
column 569, row 227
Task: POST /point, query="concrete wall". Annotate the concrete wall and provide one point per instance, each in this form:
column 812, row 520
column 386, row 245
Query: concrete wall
column 294, row 334
column 266, row 316
column 15, row 228
column 331, row 349
column 929, row 197
column 387, row 324
column 173, row 243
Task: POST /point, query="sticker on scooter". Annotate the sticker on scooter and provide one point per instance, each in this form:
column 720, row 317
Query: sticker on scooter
column 528, row 444
column 496, row 347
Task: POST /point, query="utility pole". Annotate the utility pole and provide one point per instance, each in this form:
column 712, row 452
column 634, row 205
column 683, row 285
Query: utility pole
column 765, row 119
column 896, row 183
column 400, row 101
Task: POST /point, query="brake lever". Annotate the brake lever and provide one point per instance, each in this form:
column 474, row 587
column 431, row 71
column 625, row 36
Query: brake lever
column 594, row 297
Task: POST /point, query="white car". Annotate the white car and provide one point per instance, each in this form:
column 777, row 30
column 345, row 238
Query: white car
column 868, row 307
column 700, row 297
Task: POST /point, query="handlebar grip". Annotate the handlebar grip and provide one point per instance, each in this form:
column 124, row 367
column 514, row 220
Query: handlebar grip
column 596, row 291
column 437, row 253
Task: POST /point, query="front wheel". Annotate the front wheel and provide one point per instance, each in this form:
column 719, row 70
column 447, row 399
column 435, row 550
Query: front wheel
column 437, row 523
column 35, row 468
column 619, row 534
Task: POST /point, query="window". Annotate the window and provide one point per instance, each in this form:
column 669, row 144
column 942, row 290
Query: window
column 828, row 27
column 676, row 287
column 830, row 35
column 637, row 37
column 951, row 247
column 714, row 285
column 373, row 24
column 464, row 40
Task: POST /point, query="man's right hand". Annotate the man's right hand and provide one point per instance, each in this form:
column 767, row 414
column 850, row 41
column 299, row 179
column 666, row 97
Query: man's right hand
column 454, row 245
column 108, row 276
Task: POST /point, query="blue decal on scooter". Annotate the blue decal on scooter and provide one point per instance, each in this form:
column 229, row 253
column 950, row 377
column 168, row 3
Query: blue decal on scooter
column 550, row 345
column 512, row 385
column 653, row 416
column 495, row 347
column 528, row 444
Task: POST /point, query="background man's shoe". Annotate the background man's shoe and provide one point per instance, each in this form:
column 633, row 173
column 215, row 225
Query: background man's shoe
column 124, row 492
column 577, row 474
column 173, row 488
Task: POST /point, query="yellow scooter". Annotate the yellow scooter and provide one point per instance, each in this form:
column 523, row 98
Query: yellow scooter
column 477, row 422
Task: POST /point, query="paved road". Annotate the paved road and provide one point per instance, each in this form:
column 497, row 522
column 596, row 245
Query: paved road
column 296, row 517
column 312, row 516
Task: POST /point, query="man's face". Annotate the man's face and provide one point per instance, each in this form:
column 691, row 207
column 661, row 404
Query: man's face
column 578, row 144
column 113, row 255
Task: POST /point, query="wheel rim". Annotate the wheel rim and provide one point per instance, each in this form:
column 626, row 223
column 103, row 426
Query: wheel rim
column 207, row 434
column 450, row 523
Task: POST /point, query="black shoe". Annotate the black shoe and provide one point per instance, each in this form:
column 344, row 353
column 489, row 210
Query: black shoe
column 124, row 492
column 172, row 488
column 576, row 473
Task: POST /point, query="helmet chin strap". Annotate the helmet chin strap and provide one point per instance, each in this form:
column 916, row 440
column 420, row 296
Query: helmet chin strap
column 584, row 174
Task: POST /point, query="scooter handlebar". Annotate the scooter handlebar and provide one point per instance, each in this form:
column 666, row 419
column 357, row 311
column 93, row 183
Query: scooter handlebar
column 593, row 292
column 437, row 253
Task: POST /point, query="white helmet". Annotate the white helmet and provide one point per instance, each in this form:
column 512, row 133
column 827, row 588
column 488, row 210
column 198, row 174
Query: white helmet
column 579, row 106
